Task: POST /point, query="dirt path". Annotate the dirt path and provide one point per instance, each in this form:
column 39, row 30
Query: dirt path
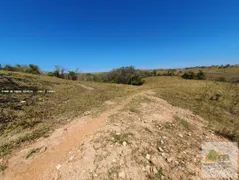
column 58, row 145
column 142, row 137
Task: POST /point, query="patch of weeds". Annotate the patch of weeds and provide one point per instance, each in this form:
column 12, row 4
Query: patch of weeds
column 7, row 147
column 29, row 123
column 168, row 125
column 156, row 176
column 120, row 138
column 113, row 172
column 2, row 168
column 134, row 110
column 32, row 152
column 182, row 122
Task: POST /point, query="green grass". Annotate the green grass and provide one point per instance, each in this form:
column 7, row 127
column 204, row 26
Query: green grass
column 2, row 168
column 32, row 152
column 7, row 147
column 120, row 138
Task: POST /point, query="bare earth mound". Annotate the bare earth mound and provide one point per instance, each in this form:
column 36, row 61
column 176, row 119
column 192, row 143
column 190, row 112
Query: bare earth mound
column 140, row 137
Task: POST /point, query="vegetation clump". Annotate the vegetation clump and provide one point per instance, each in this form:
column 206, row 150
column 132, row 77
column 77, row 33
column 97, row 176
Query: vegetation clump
column 191, row 75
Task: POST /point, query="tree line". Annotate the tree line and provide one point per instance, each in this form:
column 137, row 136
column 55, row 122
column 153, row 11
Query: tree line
column 59, row 72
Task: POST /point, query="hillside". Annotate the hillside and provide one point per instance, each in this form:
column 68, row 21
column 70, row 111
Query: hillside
column 28, row 116
column 219, row 73
column 109, row 131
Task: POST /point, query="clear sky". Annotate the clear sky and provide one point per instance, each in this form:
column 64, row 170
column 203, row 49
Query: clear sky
column 98, row 35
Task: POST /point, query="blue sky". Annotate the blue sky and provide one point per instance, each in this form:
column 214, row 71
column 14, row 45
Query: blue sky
column 95, row 35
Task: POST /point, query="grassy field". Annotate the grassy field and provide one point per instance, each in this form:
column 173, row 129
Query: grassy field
column 216, row 102
column 230, row 73
column 25, row 117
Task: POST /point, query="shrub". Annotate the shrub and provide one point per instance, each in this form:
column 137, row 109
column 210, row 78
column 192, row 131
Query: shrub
column 33, row 69
column 50, row 74
column 136, row 80
column 201, row 75
column 9, row 68
column 124, row 75
column 189, row 75
column 71, row 75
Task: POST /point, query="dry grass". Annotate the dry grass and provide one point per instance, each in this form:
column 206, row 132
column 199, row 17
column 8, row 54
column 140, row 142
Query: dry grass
column 26, row 117
column 216, row 102
column 22, row 114
column 230, row 73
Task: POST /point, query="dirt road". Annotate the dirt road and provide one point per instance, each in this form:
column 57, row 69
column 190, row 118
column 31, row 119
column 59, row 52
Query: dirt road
column 139, row 137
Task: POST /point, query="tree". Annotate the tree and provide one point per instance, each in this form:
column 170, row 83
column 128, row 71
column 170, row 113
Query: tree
column 72, row 75
column 155, row 72
column 34, row 69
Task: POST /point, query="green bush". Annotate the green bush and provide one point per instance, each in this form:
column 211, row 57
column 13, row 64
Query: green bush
column 71, row 75
column 191, row 75
column 124, row 75
column 201, row 75
column 33, row 69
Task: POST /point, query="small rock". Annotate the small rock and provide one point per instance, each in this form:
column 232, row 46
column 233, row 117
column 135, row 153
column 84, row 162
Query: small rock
column 148, row 168
column 169, row 160
column 147, row 156
column 124, row 143
column 43, row 149
column 161, row 142
column 122, row 175
column 155, row 170
column 118, row 133
column 160, row 149
column 23, row 102
column 71, row 158
column 176, row 162
column 58, row 166
column 87, row 113
column 180, row 135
